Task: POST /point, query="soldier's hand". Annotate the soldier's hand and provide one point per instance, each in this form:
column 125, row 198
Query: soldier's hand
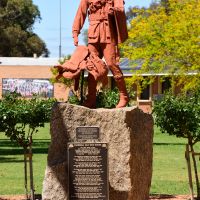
column 76, row 40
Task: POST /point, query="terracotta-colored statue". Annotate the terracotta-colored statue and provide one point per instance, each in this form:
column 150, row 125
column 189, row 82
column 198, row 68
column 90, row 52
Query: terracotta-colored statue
column 107, row 28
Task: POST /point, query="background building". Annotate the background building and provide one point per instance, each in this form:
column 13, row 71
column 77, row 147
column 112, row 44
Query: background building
column 30, row 76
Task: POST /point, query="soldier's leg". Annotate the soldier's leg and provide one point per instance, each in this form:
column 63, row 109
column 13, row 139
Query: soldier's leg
column 90, row 102
column 110, row 53
column 96, row 48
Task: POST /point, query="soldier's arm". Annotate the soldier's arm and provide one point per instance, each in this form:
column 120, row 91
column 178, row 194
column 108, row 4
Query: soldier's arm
column 79, row 20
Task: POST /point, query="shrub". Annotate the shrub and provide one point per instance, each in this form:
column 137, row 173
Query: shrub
column 19, row 119
column 180, row 116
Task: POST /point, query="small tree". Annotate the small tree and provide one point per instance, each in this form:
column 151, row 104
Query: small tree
column 180, row 116
column 20, row 119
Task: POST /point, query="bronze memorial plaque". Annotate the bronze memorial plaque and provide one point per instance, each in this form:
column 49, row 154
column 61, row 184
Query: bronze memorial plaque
column 87, row 133
column 88, row 171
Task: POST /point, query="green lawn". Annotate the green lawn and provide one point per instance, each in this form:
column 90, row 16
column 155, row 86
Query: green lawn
column 169, row 165
column 169, row 168
column 11, row 163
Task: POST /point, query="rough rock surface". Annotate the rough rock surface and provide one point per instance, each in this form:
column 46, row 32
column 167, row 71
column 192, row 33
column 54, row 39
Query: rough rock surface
column 129, row 133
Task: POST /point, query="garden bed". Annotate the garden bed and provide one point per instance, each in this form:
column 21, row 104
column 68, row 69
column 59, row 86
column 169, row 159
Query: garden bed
column 153, row 197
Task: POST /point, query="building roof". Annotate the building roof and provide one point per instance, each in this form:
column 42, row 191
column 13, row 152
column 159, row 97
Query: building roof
column 125, row 64
column 22, row 61
column 41, row 61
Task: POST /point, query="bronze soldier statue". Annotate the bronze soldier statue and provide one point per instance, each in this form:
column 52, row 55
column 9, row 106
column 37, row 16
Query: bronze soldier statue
column 107, row 28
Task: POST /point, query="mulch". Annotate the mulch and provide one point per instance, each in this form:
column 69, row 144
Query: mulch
column 152, row 197
column 169, row 197
column 19, row 197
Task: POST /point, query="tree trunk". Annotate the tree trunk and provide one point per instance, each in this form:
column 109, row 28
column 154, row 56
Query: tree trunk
column 195, row 171
column 31, row 170
column 25, row 172
column 187, row 157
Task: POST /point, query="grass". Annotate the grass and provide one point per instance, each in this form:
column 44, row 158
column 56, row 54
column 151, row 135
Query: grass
column 169, row 166
column 11, row 163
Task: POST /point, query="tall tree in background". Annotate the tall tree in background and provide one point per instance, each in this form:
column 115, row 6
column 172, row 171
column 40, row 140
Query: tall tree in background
column 134, row 11
column 130, row 13
column 166, row 39
column 16, row 29
column 85, row 36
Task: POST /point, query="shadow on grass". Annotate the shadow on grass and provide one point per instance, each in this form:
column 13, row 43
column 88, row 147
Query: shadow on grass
column 36, row 143
column 12, row 151
column 10, row 160
column 162, row 196
column 19, row 151
column 166, row 144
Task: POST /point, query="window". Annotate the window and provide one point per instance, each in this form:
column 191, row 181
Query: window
column 166, row 85
column 145, row 94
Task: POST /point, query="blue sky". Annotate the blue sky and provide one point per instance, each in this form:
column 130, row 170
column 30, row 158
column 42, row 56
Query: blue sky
column 49, row 27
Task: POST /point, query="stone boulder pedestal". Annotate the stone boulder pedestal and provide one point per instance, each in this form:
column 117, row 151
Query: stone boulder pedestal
column 129, row 134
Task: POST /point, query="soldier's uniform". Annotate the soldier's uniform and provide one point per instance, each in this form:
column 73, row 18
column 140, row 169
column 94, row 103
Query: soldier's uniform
column 104, row 33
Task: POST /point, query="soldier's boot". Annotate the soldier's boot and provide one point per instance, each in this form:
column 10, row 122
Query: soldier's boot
column 123, row 95
column 90, row 101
